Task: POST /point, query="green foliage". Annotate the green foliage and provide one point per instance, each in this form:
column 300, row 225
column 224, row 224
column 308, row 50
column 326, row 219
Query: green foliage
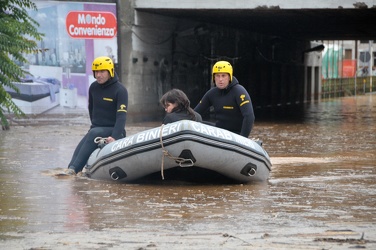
column 18, row 35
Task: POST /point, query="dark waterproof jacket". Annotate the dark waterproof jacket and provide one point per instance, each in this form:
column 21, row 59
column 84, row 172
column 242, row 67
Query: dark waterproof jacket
column 232, row 107
column 108, row 105
column 180, row 115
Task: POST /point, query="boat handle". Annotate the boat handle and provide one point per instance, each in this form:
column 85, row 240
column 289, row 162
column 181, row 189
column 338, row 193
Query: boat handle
column 114, row 176
column 186, row 163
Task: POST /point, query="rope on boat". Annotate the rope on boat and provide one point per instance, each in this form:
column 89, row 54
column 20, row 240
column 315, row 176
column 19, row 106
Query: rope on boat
column 179, row 160
column 99, row 140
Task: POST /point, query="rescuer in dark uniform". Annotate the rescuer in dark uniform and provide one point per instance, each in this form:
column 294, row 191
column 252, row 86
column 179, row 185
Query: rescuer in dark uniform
column 231, row 102
column 108, row 103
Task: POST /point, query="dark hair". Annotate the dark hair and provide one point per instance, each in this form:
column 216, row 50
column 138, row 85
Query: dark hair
column 180, row 98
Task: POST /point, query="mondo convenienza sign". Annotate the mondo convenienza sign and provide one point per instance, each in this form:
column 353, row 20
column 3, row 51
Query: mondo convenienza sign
column 91, row 24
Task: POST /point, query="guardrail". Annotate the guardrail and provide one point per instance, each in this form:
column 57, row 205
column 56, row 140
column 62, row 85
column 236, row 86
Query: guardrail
column 339, row 87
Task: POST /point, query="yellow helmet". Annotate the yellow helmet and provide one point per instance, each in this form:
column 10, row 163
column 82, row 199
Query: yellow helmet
column 222, row 67
column 103, row 63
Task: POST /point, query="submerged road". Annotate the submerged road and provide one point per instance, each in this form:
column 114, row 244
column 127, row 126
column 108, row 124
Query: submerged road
column 321, row 193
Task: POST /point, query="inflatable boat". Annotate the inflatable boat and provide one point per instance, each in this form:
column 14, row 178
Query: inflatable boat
column 181, row 151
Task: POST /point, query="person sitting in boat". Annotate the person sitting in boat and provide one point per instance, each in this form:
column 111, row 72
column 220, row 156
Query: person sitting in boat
column 108, row 103
column 231, row 102
column 177, row 107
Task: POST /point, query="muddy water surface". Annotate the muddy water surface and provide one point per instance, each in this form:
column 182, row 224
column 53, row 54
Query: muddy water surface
column 321, row 193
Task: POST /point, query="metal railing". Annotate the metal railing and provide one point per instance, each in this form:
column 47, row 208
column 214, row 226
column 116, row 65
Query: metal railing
column 339, row 87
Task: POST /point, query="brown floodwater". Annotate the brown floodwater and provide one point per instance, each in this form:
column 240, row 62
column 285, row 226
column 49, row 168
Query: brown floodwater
column 321, row 193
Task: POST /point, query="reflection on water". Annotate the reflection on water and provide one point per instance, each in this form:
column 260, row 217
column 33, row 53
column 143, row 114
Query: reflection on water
column 322, row 185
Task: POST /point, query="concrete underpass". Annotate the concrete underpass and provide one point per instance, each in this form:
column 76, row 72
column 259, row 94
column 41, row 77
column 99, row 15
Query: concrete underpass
column 173, row 44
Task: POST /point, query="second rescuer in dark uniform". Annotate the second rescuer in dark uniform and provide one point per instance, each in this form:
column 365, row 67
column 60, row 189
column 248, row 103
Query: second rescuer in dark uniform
column 231, row 102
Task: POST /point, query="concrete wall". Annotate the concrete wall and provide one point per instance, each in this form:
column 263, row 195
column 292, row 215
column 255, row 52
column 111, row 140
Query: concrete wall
column 145, row 55
column 154, row 58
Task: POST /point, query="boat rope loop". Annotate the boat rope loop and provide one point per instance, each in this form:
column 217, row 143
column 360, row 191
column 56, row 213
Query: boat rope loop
column 179, row 160
column 100, row 141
